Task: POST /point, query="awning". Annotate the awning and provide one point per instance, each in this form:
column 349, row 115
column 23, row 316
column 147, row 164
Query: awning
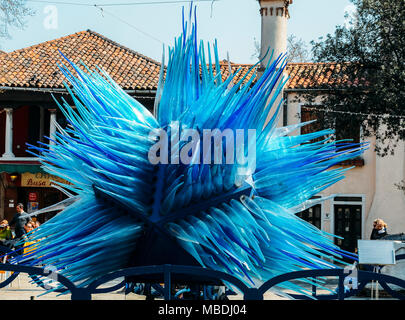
column 20, row 168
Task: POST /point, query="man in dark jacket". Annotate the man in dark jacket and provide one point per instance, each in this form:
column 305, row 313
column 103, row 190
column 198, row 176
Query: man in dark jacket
column 20, row 219
column 379, row 230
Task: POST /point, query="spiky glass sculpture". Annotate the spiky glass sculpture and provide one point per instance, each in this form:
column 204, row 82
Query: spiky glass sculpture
column 124, row 210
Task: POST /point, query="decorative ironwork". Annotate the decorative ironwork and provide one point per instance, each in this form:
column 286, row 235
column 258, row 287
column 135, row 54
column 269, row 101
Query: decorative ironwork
column 85, row 293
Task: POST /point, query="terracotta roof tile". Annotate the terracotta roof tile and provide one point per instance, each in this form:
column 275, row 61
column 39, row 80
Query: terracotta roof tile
column 315, row 75
column 36, row 66
column 302, row 75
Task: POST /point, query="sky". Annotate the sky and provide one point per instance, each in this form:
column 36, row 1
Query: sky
column 146, row 28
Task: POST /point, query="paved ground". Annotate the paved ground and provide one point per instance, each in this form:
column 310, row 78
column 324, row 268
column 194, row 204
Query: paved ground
column 22, row 289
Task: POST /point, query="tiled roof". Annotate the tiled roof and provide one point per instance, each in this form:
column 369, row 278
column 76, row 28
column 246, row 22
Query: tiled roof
column 302, row 75
column 241, row 70
column 36, row 66
column 315, row 75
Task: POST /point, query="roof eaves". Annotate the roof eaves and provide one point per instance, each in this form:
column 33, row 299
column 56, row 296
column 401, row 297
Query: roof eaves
column 122, row 47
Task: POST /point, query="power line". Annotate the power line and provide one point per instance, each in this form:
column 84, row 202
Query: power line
column 375, row 115
column 120, row 4
column 154, row 2
column 103, row 10
column 129, row 24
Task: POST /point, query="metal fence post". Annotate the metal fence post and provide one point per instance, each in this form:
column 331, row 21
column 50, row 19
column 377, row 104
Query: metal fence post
column 168, row 285
column 341, row 287
column 252, row 294
column 314, row 288
column 80, row 294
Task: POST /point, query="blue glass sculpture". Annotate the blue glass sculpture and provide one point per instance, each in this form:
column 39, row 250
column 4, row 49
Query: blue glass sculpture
column 122, row 210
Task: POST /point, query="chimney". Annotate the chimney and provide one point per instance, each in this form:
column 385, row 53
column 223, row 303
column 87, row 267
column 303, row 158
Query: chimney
column 274, row 15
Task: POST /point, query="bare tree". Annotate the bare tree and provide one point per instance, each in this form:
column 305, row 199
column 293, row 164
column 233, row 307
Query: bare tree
column 13, row 14
column 256, row 53
column 297, row 50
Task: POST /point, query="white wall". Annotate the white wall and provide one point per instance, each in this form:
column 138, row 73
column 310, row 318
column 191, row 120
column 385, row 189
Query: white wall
column 359, row 181
column 389, row 203
column 375, row 180
column 274, row 29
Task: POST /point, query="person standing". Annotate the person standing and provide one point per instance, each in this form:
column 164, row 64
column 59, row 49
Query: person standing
column 20, row 219
column 379, row 229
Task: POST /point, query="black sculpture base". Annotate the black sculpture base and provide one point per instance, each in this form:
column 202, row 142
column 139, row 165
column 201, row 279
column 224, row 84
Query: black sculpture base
column 155, row 249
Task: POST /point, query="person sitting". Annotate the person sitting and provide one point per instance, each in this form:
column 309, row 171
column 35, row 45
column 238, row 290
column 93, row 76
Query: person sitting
column 15, row 243
column 28, row 227
column 5, row 232
column 6, row 237
column 379, row 229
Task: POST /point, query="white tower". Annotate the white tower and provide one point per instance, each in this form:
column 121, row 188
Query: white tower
column 274, row 28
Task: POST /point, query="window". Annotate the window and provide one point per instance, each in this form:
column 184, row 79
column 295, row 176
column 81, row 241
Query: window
column 2, row 131
column 348, row 199
column 309, row 115
column 345, row 128
column 312, row 215
column 348, row 129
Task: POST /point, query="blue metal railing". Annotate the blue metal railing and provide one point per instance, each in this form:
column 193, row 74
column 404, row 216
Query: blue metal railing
column 168, row 271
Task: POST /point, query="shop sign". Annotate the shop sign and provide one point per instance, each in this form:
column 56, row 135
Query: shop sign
column 39, row 180
column 32, row 196
column 32, row 206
